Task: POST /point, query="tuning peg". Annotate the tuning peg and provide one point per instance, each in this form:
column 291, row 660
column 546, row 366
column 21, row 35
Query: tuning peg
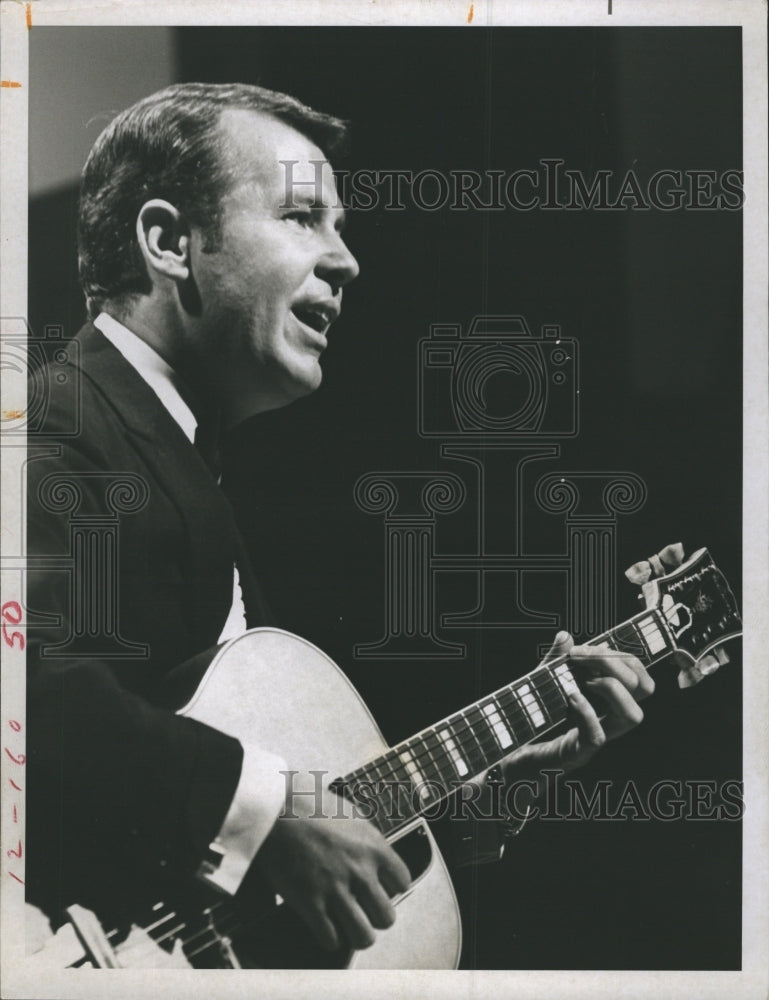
column 689, row 676
column 694, row 673
column 656, row 565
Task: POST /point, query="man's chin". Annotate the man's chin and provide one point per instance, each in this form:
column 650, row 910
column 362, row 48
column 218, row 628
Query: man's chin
column 301, row 381
column 241, row 406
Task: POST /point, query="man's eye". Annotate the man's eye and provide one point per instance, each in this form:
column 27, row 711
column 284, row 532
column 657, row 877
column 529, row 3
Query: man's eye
column 304, row 218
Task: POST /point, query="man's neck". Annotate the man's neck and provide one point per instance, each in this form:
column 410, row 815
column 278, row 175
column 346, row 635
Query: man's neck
column 153, row 329
column 171, row 345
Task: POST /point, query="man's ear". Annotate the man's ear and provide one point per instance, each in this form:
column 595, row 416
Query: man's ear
column 164, row 239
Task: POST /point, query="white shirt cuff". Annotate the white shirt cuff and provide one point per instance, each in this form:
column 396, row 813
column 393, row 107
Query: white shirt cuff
column 258, row 799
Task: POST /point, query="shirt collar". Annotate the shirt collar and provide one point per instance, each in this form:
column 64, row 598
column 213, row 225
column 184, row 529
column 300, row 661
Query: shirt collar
column 156, row 372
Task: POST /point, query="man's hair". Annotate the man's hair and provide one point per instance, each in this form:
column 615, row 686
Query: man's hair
column 168, row 146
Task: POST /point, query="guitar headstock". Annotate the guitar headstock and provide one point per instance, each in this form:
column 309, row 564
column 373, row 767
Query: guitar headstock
column 700, row 611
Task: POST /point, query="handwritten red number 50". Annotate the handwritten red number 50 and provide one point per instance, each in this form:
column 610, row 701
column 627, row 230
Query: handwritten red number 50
column 11, row 612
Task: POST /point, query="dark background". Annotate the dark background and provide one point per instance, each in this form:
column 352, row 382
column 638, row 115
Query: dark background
column 654, row 300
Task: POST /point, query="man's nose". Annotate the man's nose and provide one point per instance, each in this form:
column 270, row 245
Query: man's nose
column 337, row 266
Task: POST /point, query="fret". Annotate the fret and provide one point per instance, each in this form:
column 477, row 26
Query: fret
column 646, row 637
column 388, row 804
column 515, row 716
column 565, row 679
column 398, row 772
column 487, row 740
column 376, row 771
column 384, row 793
column 552, row 693
column 625, row 639
column 498, row 727
column 384, row 770
column 654, row 635
column 539, row 679
column 523, row 692
column 416, row 776
column 396, row 797
column 434, row 759
column 469, row 743
column 456, row 756
column 641, row 636
column 643, row 640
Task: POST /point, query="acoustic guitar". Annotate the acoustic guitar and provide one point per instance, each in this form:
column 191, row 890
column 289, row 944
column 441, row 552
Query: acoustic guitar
column 300, row 705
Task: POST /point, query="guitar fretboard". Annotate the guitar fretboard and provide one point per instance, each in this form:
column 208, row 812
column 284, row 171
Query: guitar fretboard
column 414, row 776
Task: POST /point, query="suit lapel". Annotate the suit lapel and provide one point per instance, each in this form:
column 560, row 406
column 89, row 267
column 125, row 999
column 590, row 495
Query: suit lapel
column 213, row 538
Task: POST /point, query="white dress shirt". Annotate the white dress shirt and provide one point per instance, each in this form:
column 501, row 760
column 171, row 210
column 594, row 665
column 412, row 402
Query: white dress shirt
column 253, row 812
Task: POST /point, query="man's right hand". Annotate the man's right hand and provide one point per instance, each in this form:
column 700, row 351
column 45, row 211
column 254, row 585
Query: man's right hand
column 336, row 870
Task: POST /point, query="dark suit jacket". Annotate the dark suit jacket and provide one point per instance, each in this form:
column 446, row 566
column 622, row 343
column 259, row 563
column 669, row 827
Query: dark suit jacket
column 131, row 545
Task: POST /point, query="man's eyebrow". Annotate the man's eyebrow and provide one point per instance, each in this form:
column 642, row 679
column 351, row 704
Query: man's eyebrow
column 304, row 198
column 307, row 199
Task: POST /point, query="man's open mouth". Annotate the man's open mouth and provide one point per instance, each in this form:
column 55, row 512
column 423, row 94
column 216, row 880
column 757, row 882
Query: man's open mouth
column 317, row 316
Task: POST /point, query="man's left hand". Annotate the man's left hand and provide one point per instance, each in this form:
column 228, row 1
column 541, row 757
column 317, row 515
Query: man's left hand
column 619, row 682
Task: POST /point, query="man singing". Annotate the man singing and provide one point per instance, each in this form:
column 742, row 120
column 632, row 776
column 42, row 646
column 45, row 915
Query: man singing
column 211, row 285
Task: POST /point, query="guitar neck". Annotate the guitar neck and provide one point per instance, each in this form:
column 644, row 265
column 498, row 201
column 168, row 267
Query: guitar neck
column 426, row 768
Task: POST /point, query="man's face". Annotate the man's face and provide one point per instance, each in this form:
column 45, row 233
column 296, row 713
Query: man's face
column 271, row 290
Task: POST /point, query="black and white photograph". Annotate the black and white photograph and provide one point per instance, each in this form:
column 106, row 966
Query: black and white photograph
column 384, row 453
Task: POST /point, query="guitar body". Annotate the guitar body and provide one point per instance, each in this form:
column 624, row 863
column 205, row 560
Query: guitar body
column 272, row 688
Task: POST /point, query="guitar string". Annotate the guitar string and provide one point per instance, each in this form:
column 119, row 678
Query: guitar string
column 436, row 791
column 612, row 634
column 125, row 947
column 217, row 936
column 550, row 692
column 551, row 698
column 488, row 745
column 547, row 700
column 514, row 715
column 553, row 701
column 515, row 712
column 156, row 925
column 170, row 934
column 209, row 937
column 466, row 734
column 150, row 927
column 212, row 935
column 229, row 920
column 485, row 741
column 215, row 939
column 186, row 943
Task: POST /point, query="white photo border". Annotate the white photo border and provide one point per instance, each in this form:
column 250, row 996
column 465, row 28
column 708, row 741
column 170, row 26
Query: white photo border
column 18, row 19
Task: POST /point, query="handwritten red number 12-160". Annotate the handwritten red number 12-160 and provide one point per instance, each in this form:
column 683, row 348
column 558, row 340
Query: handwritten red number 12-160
column 11, row 613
